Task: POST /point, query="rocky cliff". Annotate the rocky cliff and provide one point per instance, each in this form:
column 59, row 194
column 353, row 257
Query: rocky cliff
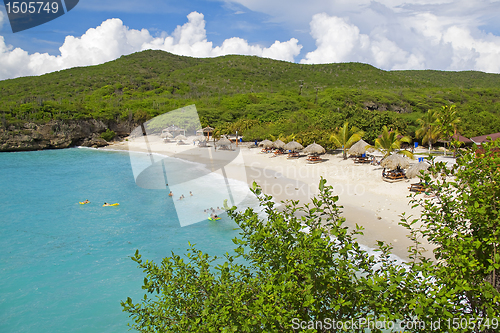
column 60, row 134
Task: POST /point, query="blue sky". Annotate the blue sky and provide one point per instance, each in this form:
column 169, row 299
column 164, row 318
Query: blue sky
column 392, row 34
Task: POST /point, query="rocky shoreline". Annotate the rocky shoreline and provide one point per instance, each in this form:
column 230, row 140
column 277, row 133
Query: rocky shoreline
column 60, row 134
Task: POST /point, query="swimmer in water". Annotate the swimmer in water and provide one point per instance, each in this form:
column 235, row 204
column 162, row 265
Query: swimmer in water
column 170, row 194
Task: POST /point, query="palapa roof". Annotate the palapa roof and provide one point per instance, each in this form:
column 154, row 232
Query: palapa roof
column 266, row 144
column 278, row 144
column 293, row 146
column 166, row 134
column 314, row 148
column 223, row 142
column 395, row 160
column 358, row 148
column 207, row 129
column 414, row 169
column 180, row 138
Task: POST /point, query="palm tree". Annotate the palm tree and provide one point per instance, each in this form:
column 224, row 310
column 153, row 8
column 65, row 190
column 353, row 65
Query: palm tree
column 448, row 121
column 389, row 141
column 345, row 137
column 429, row 130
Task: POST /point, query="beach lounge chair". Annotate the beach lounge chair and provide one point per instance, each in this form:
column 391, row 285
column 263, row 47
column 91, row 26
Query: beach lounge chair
column 278, row 152
column 394, row 176
column 361, row 160
column 417, row 187
column 314, row 159
column 293, row 155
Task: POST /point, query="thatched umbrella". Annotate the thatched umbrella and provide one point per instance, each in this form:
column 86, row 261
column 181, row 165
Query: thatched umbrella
column 414, row 169
column 278, row 144
column 314, row 149
column 200, row 138
column 165, row 134
column 293, row 146
column 180, row 137
column 359, row 148
column 224, row 142
column 395, row 160
column 266, row 144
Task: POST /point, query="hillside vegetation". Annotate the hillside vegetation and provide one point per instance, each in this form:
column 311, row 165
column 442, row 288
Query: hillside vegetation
column 259, row 97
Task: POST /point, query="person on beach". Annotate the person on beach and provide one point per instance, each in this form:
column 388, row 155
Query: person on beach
column 190, row 193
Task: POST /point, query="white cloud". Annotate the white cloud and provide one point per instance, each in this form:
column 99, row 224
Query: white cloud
column 395, row 34
column 112, row 39
column 419, row 42
column 337, row 40
column 190, row 40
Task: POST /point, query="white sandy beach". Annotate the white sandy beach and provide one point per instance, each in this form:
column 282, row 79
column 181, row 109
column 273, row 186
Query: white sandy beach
column 367, row 200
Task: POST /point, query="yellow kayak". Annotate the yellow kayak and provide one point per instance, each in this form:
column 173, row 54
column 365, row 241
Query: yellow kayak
column 214, row 219
column 83, row 203
column 115, row 204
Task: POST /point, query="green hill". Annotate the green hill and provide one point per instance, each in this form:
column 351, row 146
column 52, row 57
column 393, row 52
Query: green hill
column 270, row 93
column 161, row 71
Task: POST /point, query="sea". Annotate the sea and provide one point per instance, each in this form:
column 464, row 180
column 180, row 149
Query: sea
column 64, row 266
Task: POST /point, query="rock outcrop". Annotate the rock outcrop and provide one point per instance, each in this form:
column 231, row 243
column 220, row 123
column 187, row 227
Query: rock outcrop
column 59, row 134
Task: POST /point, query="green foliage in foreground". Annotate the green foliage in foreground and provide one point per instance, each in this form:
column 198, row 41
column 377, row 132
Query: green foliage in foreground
column 305, row 272
column 464, row 221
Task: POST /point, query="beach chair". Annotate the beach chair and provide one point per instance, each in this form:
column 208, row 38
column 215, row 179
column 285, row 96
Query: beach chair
column 417, row 187
column 293, row 155
column 361, row 160
column 314, row 159
column 278, row 152
column 266, row 150
column 394, row 176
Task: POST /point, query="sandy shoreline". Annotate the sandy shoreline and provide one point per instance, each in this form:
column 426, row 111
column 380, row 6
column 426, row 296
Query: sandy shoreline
column 367, row 200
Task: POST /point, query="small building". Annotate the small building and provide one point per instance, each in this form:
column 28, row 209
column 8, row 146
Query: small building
column 484, row 138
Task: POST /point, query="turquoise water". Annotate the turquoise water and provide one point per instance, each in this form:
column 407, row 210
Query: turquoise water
column 64, row 266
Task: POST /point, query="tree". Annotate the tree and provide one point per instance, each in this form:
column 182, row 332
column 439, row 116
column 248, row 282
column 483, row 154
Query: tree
column 296, row 271
column 463, row 221
column 429, row 130
column 304, row 272
column 390, row 141
column 345, row 137
column 447, row 121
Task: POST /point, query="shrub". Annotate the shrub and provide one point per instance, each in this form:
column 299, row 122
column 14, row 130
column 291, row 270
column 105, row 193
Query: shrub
column 108, row 135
